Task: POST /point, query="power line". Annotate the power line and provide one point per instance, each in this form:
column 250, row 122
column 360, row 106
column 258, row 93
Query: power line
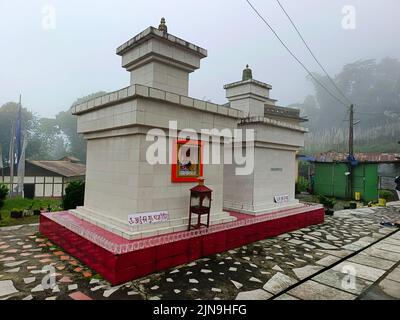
column 294, row 56
column 312, row 53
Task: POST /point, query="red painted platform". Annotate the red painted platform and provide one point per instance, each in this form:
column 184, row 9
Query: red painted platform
column 119, row 260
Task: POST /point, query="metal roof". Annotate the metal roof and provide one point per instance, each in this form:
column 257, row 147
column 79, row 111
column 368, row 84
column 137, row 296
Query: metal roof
column 333, row 156
column 62, row 167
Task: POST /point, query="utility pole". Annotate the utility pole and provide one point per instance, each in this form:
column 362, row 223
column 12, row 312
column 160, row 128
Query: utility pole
column 351, row 131
column 351, row 150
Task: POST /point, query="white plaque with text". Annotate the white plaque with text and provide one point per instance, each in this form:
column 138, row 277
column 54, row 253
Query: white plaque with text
column 147, row 218
column 281, row 198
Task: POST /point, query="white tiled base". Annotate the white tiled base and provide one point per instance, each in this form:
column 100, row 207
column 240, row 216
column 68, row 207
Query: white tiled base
column 258, row 209
column 122, row 228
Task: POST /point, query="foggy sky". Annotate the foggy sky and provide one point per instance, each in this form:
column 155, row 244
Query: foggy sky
column 51, row 68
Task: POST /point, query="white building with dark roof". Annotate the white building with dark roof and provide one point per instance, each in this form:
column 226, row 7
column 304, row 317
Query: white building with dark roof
column 47, row 178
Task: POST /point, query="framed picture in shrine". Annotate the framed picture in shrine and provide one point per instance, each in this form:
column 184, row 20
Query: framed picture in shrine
column 187, row 162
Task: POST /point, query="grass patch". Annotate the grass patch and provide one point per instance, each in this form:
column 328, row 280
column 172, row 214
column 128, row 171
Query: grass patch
column 22, row 204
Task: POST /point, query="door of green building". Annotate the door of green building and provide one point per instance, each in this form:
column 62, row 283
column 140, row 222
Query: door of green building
column 365, row 181
column 331, row 180
column 323, row 179
column 340, row 180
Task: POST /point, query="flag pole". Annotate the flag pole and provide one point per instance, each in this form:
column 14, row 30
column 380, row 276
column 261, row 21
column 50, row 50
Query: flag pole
column 21, row 169
column 18, row 133
column 11, row 160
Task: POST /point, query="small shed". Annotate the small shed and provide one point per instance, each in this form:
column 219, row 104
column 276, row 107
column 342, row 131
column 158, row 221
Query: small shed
column 47, row 178
column 332, row 174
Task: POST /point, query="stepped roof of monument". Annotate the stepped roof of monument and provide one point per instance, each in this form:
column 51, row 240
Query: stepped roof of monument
column 152, row 32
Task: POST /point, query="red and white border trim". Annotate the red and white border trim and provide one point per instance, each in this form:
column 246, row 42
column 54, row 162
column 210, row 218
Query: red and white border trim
column 65, row 219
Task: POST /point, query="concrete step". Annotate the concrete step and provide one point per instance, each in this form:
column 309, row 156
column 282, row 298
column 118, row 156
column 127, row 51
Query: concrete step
column 148, row 230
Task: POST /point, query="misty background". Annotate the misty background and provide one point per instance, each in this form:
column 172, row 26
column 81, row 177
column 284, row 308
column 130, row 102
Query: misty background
column 53, row 67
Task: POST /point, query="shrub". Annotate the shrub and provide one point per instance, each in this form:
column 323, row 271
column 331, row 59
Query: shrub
column 303, row 185
column 3, row 194
column 16, row 213
column 353, row 205
column 74, row 195
column 328, row 203
column 385, row 194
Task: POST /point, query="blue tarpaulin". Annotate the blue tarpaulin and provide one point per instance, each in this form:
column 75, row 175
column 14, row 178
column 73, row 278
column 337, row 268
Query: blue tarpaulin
column 353, row 161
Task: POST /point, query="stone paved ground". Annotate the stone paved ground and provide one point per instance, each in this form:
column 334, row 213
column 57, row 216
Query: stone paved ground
column 311, row 263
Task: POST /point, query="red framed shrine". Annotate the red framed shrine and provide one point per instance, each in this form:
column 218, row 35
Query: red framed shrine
column 187, row 161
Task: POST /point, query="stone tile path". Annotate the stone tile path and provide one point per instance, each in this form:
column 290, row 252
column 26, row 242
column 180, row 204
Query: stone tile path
column 350, row 256
column 363, row 276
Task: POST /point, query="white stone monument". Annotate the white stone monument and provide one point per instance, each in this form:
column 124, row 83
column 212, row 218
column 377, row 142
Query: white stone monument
column 278, row 137
column 120, row 181
column 135, row 216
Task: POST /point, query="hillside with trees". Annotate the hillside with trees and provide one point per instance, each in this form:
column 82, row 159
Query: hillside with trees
column 48, row 138
column 374, row 87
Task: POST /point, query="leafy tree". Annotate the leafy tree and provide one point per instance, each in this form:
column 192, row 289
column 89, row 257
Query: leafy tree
column 8, row 117
column 3, row 194
column 47, row 141
column 374, row 88
column 48, row 138
column 74, row 195
column 76, row 145
column 68, row 125
column 309, row 109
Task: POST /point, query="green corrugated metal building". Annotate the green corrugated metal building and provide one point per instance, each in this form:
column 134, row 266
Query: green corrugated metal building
column 332, row 179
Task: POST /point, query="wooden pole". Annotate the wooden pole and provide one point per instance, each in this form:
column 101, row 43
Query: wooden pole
column 351, row 150
column 351, row 131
